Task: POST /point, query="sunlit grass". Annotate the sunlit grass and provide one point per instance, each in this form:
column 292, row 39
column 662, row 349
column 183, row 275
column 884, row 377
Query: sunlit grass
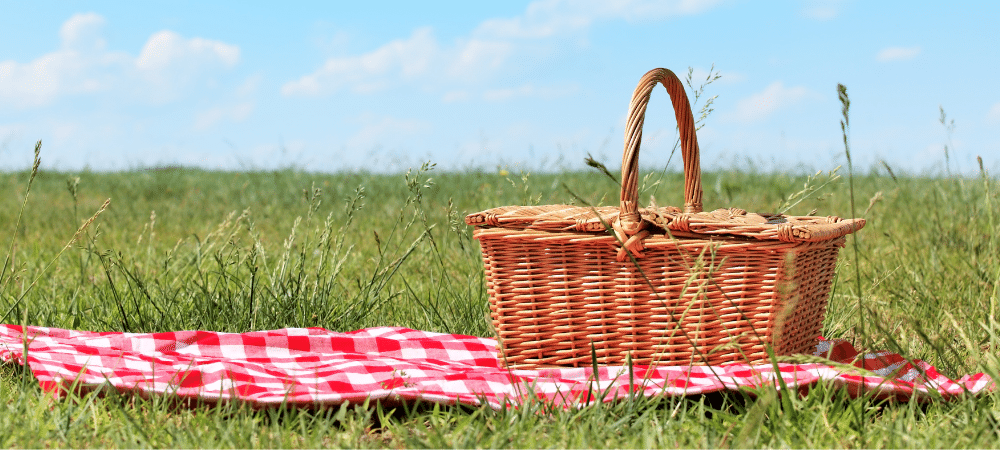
column 193, row 249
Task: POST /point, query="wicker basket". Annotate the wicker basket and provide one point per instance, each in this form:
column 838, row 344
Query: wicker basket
column 666, row 286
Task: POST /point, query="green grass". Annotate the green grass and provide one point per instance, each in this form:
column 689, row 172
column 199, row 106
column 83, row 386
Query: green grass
column 192, row 249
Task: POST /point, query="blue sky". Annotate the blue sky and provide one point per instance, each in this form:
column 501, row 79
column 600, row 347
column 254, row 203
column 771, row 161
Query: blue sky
column 332, row 86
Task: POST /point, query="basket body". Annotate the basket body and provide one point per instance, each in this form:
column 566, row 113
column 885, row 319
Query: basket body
column 573, row 286
column 559, row 299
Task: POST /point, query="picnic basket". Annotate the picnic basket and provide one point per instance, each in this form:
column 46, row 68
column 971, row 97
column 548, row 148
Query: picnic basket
column 655, row 286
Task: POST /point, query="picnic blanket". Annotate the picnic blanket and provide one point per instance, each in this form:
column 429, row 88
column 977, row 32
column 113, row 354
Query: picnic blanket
column 316, row 367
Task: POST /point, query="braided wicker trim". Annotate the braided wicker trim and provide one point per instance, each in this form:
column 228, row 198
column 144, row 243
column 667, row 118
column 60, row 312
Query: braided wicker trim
column 721, row 222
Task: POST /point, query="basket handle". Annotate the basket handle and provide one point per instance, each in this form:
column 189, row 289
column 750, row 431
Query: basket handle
column 629, row 220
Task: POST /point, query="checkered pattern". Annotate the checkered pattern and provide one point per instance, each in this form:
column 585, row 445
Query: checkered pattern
column 313, row 366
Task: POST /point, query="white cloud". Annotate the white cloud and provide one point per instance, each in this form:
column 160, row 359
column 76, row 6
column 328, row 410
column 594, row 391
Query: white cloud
column 167, row 63
column 486, row 49
column 473, row 58
column 28, row 85
column 166, row 49
column 83, row 32
column 371, row 71
column 823, row 9
column 541, row 19
column 80, row 65
column 419, row 55
column 898, row 53
column 171, row 63
column 775, row 96
column 545, row 18
column 993, row 116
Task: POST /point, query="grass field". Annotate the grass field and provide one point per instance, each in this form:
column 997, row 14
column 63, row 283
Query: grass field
column 190, row 249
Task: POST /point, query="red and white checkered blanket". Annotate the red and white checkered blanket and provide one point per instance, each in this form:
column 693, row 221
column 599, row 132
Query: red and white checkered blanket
column 313, row 366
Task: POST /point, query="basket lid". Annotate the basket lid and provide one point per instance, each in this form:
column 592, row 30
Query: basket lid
column 721, row 222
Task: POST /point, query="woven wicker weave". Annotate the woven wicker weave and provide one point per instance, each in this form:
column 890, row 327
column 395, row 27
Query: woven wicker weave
column 664, row 285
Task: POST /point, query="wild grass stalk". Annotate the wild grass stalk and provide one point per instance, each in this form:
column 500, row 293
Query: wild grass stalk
column 860, row 331
column 8, row 272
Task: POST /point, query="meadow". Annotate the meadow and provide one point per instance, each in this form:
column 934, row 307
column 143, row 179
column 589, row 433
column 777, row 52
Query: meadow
column 181, row 248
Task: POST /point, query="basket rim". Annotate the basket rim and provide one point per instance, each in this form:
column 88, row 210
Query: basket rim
column 726, row 221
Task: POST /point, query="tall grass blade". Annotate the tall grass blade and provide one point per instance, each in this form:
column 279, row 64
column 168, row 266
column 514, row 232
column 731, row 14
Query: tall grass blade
column 845, row 126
